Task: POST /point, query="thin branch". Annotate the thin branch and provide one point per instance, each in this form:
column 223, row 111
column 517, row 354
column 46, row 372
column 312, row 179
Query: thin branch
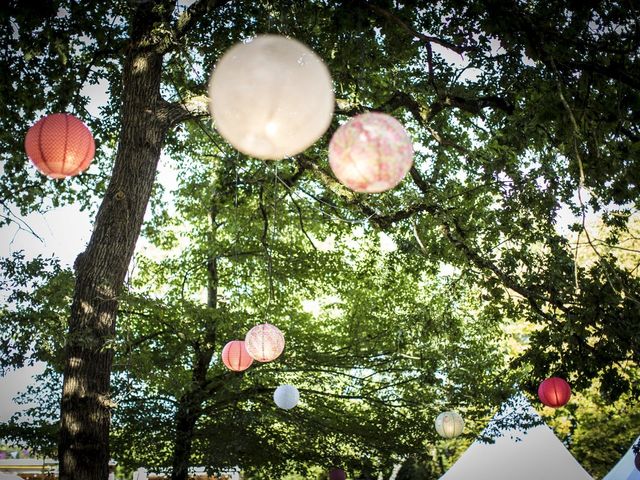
column 301, row 220
column 264, row 240
column 21, row 223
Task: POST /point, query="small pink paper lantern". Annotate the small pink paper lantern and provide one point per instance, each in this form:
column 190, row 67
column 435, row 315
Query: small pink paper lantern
column 235, row 356
column 60, row 145
column 554, row 392
column 337, row 474
column 371, row 153
column 264, row 342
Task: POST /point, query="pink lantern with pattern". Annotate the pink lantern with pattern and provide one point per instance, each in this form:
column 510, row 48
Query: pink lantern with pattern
column 235, row 356
column 60, row 145
column 264, row 342
column 371, row 153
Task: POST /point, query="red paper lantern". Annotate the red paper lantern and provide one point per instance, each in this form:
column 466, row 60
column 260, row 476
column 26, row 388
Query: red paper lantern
column 554, row 392
column 60, row 145
column 264, row 342
column 337, row 474
column 235, row 356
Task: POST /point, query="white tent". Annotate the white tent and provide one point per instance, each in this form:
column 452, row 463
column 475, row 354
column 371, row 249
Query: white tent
column 523, row 455
column 9, row 476
column 625, row 469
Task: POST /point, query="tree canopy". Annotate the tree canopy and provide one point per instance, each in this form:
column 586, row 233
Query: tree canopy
column 524, row 118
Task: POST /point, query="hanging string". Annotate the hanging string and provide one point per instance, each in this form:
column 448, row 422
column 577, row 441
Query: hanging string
column 275, row 218
column 236, row 187
column 265, row 241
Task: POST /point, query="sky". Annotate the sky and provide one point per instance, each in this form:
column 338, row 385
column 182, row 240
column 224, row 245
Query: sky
column 64, row 232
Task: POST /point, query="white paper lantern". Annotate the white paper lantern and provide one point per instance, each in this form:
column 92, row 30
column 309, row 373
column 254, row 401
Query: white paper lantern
column 371, row 153
column 272, row 97
column 449, row 424
column 286, row 396
column 264, row 342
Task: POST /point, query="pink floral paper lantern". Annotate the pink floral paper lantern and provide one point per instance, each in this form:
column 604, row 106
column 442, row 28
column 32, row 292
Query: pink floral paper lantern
column 264, row 342
column 554, row 392
column 235, row 356
column 371, row 153
column 60, row 145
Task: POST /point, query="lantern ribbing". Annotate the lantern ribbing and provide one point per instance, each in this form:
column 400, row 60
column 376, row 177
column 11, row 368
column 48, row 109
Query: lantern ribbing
column 60, row 145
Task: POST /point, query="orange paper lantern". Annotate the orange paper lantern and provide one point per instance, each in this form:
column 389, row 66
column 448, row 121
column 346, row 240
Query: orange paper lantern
column 554, row 392
column 235, row 356
column 60, row 145
column 264, row 342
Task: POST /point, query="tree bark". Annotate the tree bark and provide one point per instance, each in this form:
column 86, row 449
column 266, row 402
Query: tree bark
column 100, row 270
column 188, row 414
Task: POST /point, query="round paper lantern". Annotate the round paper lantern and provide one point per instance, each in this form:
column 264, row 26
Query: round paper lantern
column 264, row 342
column 235, row 356
column 554, row 392
column 60, row 145
column 449, row 424
column 286, row 396
column 271, row 98
column 371, row 153
column 337, row 474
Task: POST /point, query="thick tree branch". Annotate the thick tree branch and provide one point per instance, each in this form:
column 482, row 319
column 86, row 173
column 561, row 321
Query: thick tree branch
column 459, row 49
column 353, row 199
column 194, row 107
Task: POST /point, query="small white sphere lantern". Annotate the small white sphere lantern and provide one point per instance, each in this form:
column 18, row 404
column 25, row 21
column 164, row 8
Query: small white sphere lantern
column 449, row 424
column 286, row 396
column 264, row 342
column 371, row 153
column 271, row 98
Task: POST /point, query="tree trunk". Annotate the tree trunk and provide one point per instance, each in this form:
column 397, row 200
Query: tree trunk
column 100, row 270
column 188, row 414
column 190, row 404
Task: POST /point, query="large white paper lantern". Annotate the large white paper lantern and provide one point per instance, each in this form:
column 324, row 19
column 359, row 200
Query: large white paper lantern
column 272, row 97
column 449, row 424
column 286, row 396
column 264, row 342
column 371, row 153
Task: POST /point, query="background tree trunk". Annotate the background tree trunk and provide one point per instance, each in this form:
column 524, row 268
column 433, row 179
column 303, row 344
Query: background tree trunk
column 188, row 414
column 190, row 404
column 100, row 270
